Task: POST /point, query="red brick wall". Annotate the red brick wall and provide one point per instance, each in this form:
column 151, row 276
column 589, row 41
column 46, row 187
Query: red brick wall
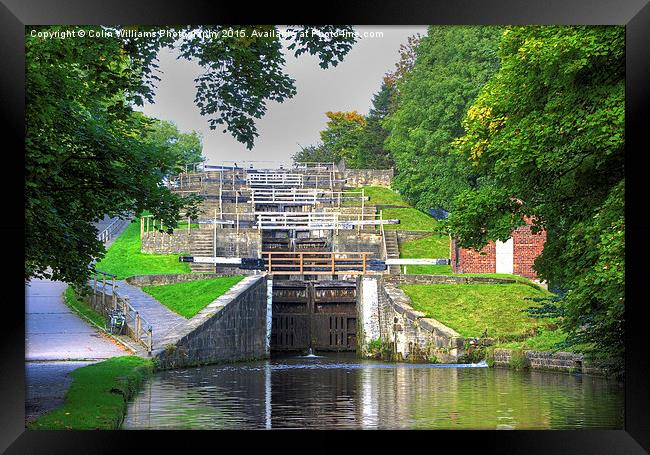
column 470, row 261
column 526, row 247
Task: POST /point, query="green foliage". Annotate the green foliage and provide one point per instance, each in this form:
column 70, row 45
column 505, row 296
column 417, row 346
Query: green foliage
column 87, row 152
column 98, row 395
column 188, row 298
column 548, row 132
column 380, row 349
column 518, row 361
column 357, row 139
column 452, row 63
column 124, row 258
column 474, row 309
column 185, row 148
column 245, row 70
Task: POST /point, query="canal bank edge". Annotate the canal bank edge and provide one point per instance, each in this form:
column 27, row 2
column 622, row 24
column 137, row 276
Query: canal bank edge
column 392, row 330
column 98, row 396
column 233, row 328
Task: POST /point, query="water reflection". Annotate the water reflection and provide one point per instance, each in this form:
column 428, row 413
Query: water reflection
column 345, row 392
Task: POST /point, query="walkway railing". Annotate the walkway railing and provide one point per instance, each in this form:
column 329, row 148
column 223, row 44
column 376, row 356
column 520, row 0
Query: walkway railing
column 107, row 234
column 306, row 196
column 297, row 220
column 137, row 328
column 274, row 179
column 319, row 263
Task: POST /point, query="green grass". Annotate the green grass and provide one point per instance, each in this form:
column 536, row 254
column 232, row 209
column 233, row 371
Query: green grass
column 379, row 195
column 410, row 220
column 433, row 246
column 79, row 306
column 124, row 258
column 545, row 340
column 470, row 309
column 98, row 395
column 188, row 298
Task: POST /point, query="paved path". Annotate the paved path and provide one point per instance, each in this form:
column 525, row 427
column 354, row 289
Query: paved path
column 54, row 332
column 57, row 341
column 162, row 319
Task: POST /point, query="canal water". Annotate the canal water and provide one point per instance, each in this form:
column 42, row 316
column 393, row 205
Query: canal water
column 342, row 391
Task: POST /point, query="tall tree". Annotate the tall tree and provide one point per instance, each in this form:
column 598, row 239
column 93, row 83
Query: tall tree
column 548, row 132
column 186, row 148
column 342, row 136
column 452, row 63
column 86, row 153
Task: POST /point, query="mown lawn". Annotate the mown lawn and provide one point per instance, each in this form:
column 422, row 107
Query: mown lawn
column 410, row 220
column 471, row 309
column 98, row 395
column 188, row 298
column 124, row 258
column 433, row 246
column 379, row 195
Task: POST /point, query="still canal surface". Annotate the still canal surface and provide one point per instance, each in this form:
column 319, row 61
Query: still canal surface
column 342, row 391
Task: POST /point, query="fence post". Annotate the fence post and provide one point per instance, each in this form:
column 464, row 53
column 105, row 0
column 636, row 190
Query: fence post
column 138, row 324
column 95, row 290
column 103, row 290
column 114, row 301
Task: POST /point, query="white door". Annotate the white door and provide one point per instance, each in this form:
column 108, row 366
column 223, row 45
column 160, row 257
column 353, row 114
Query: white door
column 504, row 256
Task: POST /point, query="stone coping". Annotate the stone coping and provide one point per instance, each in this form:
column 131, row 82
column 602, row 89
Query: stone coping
column 169, row 278
column 187, row 327
column 448, row 279
column 401, row 303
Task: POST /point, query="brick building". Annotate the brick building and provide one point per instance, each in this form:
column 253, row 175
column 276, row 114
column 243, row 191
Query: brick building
column 515, row 256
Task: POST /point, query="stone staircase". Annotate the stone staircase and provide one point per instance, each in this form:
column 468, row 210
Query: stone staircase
column 202, row 245
column 392, row 250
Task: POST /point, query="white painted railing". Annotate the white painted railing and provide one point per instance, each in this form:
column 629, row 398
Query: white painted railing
column 274, row 179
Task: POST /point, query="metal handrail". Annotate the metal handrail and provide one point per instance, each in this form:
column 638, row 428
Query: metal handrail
column 134, row 321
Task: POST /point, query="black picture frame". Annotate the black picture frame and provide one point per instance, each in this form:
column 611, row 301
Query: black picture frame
column 634, row 14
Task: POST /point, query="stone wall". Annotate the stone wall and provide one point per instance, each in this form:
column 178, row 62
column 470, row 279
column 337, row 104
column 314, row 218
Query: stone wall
column 447, row 279
column 537, row 360
column 408, row 334
column 245, row 244
column 154, row 280
column 232, row 328
column 367, row 313
column 371, row 177
column 351, row 240
column 163, row 243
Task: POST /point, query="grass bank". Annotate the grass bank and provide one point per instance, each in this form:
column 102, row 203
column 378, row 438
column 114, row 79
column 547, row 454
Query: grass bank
column 379, row 195
column 124, row 259
column 190, row 297
column 98, row 396
column 474, row 310
column 433, row 246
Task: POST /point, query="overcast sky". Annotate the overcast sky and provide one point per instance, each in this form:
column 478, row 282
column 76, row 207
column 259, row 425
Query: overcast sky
column 346, row 87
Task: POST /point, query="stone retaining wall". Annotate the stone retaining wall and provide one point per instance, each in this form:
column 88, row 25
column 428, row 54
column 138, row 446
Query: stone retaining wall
column 447, row 279
column 371, row 177
column 232, row 328
column 162, row 243
column 154, row 280
column 537, row 360
column 407, row 333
